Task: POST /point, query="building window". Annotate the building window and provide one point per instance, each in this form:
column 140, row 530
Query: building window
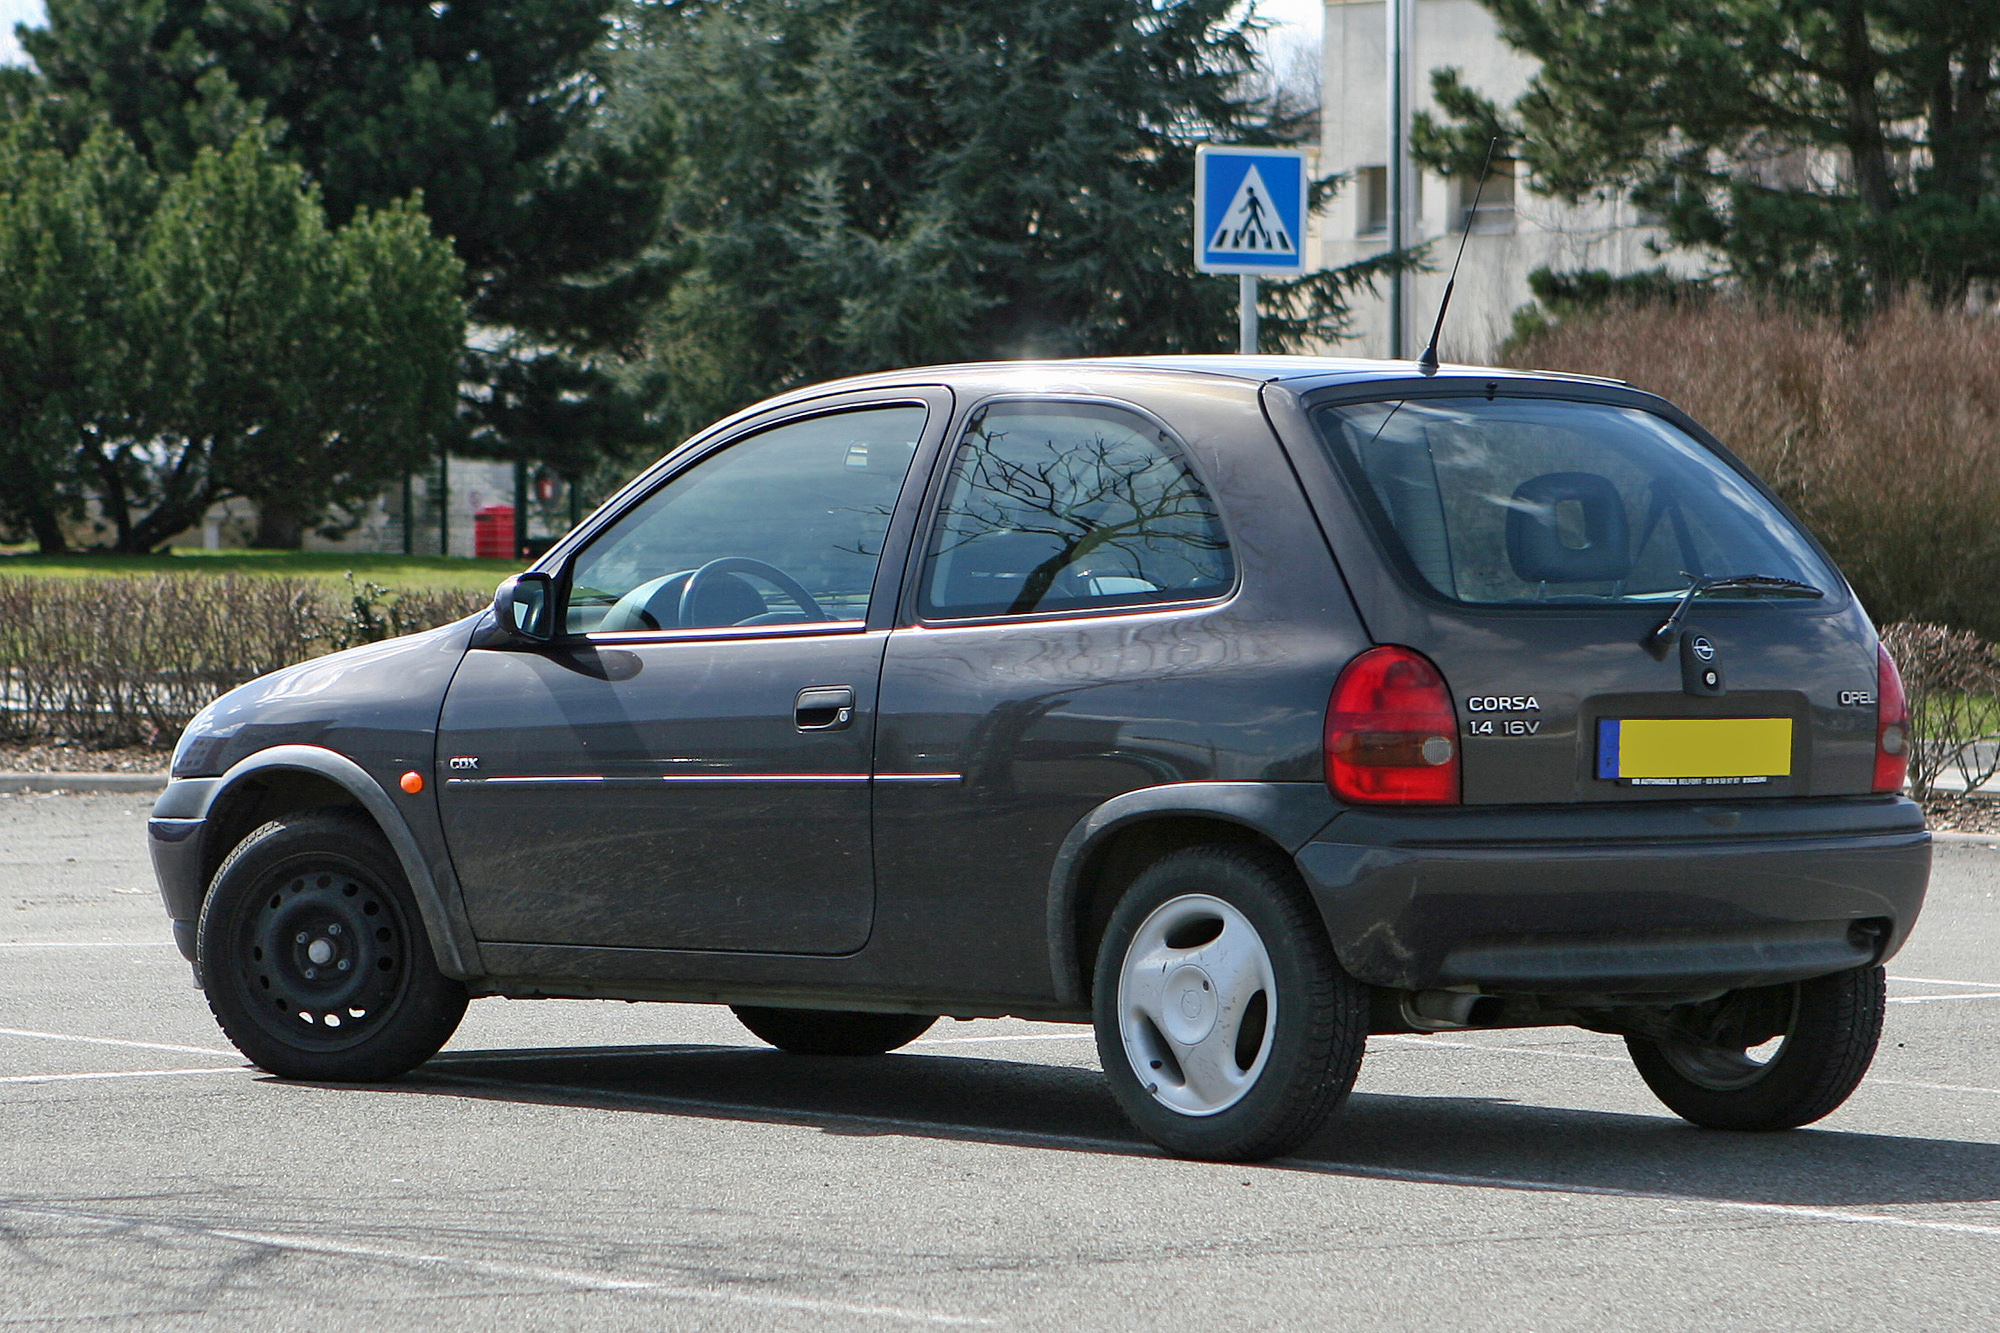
column 1371, row 201
column 1495, row 214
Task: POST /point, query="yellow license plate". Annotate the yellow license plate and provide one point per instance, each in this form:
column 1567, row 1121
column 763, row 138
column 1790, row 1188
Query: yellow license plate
column 1677, row 751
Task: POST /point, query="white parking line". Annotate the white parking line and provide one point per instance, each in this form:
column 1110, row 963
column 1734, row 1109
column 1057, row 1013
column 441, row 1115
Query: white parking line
column 1930, row 981
column 86, row 944
column 567, row 1277
column 126, row 1073
column 1801, row 1211
column 1031, row 1138
column 1872, row 1081
column 1487, row 1046
column 111, row 1041
column 594, row 1281
column 1932, row 999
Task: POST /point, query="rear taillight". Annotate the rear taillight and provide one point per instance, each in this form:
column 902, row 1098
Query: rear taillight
column 1391, row 731
column 1892, row 724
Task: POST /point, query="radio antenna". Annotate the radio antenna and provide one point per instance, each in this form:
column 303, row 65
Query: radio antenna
column 1427, row 364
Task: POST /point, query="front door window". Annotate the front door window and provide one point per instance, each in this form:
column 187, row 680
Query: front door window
column 784, row 527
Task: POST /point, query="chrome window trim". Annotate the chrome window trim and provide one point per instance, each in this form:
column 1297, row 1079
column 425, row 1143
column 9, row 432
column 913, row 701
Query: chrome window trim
column 711, row 779
column 818, row 629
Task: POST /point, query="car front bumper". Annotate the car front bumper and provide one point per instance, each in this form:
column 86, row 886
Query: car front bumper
column 174, row 837
column 1619, row 900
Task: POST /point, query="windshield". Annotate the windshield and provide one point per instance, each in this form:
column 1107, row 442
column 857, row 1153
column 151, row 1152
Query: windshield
column 1514, row 502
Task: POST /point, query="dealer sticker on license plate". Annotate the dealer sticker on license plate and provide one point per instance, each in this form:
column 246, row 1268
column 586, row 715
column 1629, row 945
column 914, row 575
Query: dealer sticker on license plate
column 1693, row 751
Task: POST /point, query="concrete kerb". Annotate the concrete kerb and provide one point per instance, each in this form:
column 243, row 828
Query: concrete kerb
column 12, row 784
column 1975, row 839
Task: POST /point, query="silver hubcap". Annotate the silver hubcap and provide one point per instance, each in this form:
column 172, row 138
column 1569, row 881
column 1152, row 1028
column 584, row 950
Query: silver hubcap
column 1727, row 1068
column 1720, row 1069
column 1197, row 1005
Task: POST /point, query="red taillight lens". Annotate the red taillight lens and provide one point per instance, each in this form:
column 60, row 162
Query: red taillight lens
column 1892, row 724
column 1391, row 731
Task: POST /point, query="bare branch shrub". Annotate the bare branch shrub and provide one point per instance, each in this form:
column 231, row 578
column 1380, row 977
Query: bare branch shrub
column 1952, row 679
column 1884, row 439
column 127, row 661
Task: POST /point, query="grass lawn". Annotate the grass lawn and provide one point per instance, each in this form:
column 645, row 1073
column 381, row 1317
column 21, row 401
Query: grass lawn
column 391, row 571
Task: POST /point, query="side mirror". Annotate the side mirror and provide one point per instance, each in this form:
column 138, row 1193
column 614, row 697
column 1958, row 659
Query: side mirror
column 525, row 607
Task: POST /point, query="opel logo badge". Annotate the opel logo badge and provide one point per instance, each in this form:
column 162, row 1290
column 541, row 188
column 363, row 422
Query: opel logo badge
column 1703, row 649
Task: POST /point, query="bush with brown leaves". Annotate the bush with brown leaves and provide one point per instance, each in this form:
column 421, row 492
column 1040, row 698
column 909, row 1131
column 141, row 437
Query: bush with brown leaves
column 1952, row 680
column 1885, row 438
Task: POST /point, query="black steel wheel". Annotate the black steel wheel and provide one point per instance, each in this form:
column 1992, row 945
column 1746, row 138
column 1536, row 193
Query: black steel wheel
column 1225, row 1025
column 1798, row 1062
column 832, row 1031
column 313, row 956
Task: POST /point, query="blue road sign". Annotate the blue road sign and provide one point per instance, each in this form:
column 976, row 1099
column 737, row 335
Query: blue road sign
column 1250, row 210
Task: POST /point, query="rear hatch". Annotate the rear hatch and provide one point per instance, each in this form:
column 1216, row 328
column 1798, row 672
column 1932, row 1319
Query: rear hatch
column 1539, row 540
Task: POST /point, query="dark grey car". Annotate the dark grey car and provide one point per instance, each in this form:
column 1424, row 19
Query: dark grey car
column 1240, row 706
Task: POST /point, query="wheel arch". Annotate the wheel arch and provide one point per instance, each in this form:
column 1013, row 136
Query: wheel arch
column 1111, row 845
column 287, row 778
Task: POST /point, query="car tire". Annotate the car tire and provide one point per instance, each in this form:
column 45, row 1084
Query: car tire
column 1826, row 1047
column 314, row 958
column 1225, row 1025
column 832, row 1031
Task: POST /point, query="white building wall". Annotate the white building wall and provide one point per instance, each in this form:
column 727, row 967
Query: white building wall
column 1493, row 280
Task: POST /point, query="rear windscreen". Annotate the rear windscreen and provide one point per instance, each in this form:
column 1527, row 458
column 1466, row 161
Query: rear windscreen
column 1532, row 501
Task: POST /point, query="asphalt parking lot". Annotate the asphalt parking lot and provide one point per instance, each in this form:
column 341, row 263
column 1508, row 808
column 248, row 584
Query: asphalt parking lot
column 591, row 1165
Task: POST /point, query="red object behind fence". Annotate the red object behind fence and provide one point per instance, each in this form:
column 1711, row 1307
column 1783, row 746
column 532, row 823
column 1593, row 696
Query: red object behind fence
column 493, row 533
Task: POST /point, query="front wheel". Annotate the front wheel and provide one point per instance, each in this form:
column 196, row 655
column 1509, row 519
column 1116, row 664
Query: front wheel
column 1225, row 1025
column 314, row 959
column 1813, row 1051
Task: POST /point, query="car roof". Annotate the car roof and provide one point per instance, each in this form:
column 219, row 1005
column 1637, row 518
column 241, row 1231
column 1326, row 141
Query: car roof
column 1297, row 372
column 1269, row 369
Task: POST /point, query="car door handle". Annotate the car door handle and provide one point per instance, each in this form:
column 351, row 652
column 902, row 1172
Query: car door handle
column 824, row 708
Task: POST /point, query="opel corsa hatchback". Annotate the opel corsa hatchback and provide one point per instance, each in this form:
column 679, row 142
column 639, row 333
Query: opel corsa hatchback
column 1241, row 707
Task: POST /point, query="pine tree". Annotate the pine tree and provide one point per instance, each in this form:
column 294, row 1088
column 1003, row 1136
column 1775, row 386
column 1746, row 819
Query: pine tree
column 858, row 185
column 1838, row 152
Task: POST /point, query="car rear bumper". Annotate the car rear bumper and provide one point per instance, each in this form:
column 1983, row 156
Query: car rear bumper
column 1619, row 900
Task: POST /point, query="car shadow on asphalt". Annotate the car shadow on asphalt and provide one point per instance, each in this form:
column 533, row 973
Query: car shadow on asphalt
column 1473, row 1141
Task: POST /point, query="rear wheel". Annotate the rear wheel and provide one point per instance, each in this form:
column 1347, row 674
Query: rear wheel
column 314, row 959
column 1808, row 1056
column 832, row 1031
column 1225, row 1025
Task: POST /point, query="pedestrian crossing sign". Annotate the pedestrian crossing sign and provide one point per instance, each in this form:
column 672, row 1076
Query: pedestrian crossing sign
column 1250, row 210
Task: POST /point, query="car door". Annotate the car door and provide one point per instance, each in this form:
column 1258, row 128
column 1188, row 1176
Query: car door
column 689, row 767
column 1075, row 637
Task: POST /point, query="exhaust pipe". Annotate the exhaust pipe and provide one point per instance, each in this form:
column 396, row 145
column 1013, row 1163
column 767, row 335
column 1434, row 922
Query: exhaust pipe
column 1445, row 1010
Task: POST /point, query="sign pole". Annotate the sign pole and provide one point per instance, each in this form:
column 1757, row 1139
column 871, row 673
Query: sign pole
column 1398, row 173
column 1246, row 313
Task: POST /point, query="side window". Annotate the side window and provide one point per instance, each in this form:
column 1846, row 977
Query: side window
column 1063, row 507
column 784, row 527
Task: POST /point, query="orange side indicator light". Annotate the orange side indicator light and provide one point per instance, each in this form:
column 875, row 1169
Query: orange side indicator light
column 413, row 782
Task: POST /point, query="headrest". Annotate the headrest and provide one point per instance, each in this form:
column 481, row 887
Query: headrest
column 1537, row 545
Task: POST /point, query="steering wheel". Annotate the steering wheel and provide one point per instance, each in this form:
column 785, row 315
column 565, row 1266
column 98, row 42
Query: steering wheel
column 743, row 564
column 651, row 605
